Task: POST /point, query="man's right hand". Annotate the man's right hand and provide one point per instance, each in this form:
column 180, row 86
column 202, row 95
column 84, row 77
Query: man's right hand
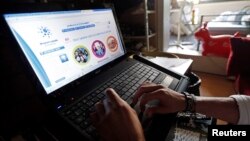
column 169, row 100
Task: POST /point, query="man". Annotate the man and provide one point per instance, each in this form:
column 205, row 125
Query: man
column 117, row 121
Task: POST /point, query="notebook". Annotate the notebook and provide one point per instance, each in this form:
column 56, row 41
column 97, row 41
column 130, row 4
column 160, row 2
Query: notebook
column 75, row 55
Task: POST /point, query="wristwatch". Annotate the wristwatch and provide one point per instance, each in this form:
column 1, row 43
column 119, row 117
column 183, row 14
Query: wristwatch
column 190, row 101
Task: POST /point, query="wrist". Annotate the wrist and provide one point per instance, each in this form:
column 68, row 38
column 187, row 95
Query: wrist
column 182, row 103
column 190, row 103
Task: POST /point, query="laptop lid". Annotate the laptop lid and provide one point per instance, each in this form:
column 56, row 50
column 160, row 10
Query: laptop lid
column 64, row 46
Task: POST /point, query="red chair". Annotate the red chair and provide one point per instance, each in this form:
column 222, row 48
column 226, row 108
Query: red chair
column 238, row 64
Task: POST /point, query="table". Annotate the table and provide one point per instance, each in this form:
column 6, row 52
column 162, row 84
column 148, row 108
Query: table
column 169, row 61
column 177, row 65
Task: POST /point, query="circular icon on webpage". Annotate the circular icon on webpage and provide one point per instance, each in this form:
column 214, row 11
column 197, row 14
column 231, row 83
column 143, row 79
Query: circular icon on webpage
column 98, row 48
column 112, row 43
column 81, row 54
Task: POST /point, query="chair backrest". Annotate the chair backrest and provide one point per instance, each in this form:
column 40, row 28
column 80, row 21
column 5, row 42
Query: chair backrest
column 238, row 64
column 238, row 61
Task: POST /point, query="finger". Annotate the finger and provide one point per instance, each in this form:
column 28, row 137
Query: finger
column 145, row 88
column 107, row 105
column 147, row 83
column 100, row 109
column 113, row 97
column 147, row 97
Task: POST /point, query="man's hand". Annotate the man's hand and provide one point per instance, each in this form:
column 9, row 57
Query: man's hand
column 119, row 122
column 169, row 100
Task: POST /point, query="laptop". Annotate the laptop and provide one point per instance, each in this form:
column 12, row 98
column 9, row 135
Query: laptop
column 75, row 55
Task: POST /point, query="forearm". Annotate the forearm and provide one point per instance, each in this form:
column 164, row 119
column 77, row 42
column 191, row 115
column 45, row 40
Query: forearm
column 222, row 108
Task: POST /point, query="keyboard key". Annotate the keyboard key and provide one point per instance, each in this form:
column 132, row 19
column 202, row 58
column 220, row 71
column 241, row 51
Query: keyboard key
column 78, row 112
column 129, row 100
column 142, row 80
column 84, row 124
column 100, row 95
column 72, row 116
column 68, row 112
column 95, row 99
column 92, row 131
column 79, row 119
column 124, row 97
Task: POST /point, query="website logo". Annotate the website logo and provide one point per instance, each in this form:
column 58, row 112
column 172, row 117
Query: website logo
column 45, row 31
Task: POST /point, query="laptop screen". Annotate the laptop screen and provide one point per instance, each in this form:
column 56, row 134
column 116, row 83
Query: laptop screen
column 66, row 45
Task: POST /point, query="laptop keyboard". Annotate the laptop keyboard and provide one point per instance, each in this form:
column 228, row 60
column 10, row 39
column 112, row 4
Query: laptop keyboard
column 125, row 84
